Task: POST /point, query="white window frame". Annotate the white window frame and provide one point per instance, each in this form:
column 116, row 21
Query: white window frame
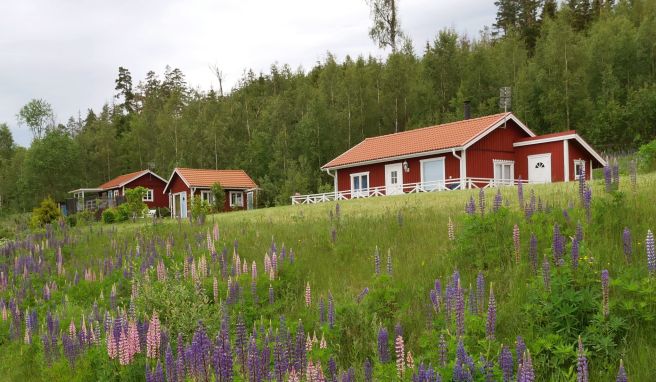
column 240, row 196
column 503, row 163
column 578, row 162
column 150, row 195
column 360, row 192
column 421, row 173
column 206, row 195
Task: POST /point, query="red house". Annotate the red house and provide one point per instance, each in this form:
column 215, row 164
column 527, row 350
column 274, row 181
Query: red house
column 481, row 152
column 111, row 192
column 187, row 183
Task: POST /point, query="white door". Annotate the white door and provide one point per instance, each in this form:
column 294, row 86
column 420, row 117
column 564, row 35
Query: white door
column 539, row 168
column 393, row 179
column 180, row 205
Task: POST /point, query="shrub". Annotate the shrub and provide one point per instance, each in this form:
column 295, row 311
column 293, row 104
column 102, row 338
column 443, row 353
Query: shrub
column 122, row 213
column 218, row 197
column 71, row 220
column 46, row 213
column 163, row 212
column 199, row 209
column 134, row 201
column 109, row 216
column 647, row 156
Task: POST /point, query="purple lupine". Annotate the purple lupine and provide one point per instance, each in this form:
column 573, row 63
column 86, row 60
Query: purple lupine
column 604, row 292
column 615, row 170
column 470, row 207
column 241, row 339
column 460, row 311
column 627, row 244
column 473, row 304
column 368, row 370
column 607, row 178
column 566, row 215
column 442, row 350
column 491, row 316
column 526, row 373
column 158, row 374
column 300, row 355
column 651, row 255
column 582, row 185
column 575, row 253
column 520, row 348
column 398, row 330
column 464, row 366
column 498, row 201
column 480, row 291
column 558, row 245
column 481, row 201
column 322, row 311
column 587, row 202
column 581, row 364
column 533, row 252
column 579, row 231
column 253, row 359
column 331, row 311
column 362, row 295
column 383, row 345
column 546, row 274
column 506, row 363
column 332, row 370
column 170, row 364
column 520, row 193
column 621, row 373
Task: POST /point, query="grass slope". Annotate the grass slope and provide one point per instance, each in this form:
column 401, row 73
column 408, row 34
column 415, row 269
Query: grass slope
column 412, row 229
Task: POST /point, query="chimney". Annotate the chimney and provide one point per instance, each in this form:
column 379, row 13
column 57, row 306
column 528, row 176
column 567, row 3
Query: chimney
column 467, row 109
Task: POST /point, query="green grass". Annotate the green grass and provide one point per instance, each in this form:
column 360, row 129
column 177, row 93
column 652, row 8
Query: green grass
column 413, row 230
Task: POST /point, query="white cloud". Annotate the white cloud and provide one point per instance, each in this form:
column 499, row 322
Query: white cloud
column 68, row 52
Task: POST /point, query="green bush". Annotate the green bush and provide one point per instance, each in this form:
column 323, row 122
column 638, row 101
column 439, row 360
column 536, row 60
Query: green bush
column 199, row 209
column 134, row 202
column 218, row 197
column 647, row 156
column 46, row 213
column 122, row 213
column 109, row 216
column 163, row 212
column 71, row 220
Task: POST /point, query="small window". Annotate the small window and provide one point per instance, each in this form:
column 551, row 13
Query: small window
column 539, row 165
column 579, row 168
column 394, row 177
column 360, row 184
column 116, row 192
column 206, row 196
column 236, row 199
column 149, row 196
column 504, row 172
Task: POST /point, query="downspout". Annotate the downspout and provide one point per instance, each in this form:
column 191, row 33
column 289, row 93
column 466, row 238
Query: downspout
column 334, row 176
column 462, row 179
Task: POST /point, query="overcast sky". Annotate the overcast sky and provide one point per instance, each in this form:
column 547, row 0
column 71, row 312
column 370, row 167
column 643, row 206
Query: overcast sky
column 68, row 51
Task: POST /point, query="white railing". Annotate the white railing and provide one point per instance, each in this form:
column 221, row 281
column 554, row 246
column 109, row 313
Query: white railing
column 408, row 188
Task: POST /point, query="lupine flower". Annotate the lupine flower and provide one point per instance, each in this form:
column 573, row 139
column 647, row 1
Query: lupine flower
column 579, row 231
column 575, row 253
column 587, row 202
column 399, row 348
column 377, row 261
column 308, row 295
column 383, row 346
column 533, row 252
column 464, row 366
column 615, row 169
column 520, row 348
column 241, row 341
column 526, row 373
column 322, row 311
column 389, row 262
column 460, row 311
column 607, row 178
column 557, row 245
column 581, row 364
column 473, row 304
column 491, row 316
column 450, row 232
column 333, row 235
column 481, row 201
column 651, row 255
column 409, row 360
column 621, row 374
column 322, row 343
column 516, row 243
column 506, row 363
column 470, row 207
column 546, row 274
column 154, row 337
column 398, row 330
column 368, row 370
column 331, row 310
column 627, row 244
column 362, row 294
column 498, row 200
column 604, row 292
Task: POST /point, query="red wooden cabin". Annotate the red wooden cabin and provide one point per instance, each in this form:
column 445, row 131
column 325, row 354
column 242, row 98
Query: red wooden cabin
column 187, row 183
column 480, row 152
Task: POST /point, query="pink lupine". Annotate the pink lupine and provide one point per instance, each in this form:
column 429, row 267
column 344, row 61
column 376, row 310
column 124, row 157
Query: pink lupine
column 123, row 352
column 210, row 245
column 410, row 361
column 308, row 295
column 72, row 332
column 215, row 289
column 293, row 376
column 244, row 267
column 133, row 339
column 112, row 350
column 322, row 343
column 400, row 356
column 254, row 271
column 153, row 337
column 267, row 263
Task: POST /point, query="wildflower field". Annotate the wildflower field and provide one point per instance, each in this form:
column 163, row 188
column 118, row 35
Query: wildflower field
column 537, row 283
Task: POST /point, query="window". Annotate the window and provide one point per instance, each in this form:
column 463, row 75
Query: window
column 116, row 194
column 432, row 174
column 206, row 196
column 359, row 184
column 539, row 165
column 149, row 196
column 504, row 172
column 394, row 177
column 236, row 199
column 579, row 168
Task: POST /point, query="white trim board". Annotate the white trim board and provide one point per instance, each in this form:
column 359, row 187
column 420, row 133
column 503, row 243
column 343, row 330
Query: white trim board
column 501, row 122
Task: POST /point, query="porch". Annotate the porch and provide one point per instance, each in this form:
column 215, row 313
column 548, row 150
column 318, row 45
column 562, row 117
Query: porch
column 407, row 188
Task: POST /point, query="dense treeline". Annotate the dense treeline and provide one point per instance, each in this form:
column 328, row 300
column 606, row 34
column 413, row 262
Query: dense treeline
column 589, row 66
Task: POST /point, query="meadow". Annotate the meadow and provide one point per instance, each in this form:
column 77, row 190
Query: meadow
column 543, row 283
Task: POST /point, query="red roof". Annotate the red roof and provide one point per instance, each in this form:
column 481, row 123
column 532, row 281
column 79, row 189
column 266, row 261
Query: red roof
column 119, row 181
column 547, row 136
column 423, row 140
column 206, row 178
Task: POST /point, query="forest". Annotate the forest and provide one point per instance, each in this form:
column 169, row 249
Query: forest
column 583, row 65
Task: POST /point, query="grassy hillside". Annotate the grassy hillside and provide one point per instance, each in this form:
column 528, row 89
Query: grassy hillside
column 334, row 249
